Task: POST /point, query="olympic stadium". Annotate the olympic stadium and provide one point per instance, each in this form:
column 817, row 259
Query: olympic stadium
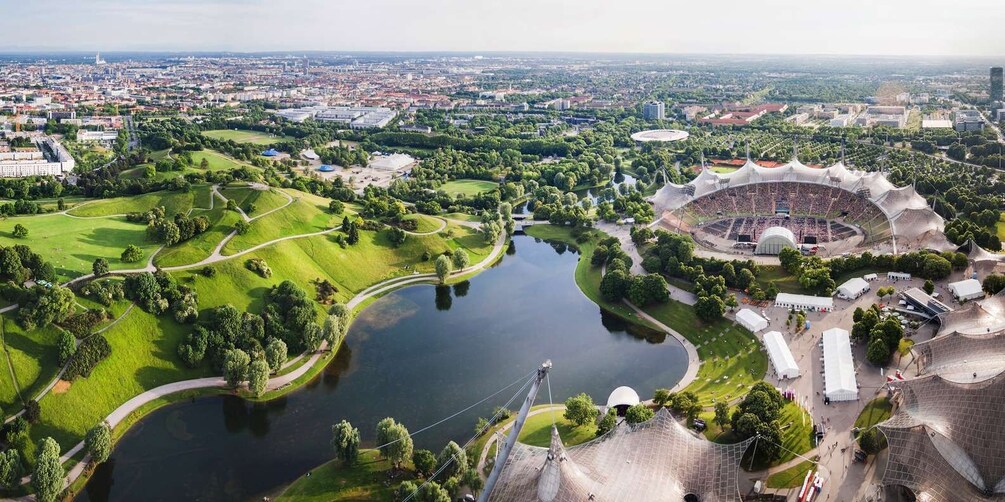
column 830, row 211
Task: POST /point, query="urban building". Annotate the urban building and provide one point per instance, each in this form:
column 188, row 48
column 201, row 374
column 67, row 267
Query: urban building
column 996, row 83
column 968, row 120
column 45, row 158
column 654, row 110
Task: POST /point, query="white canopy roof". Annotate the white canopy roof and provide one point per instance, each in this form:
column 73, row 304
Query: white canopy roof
column 970, row 288
column 839, row 366
column 804, row 300
column 780, row 355
column 751, row 320
column 623, row 396
column 853, row 287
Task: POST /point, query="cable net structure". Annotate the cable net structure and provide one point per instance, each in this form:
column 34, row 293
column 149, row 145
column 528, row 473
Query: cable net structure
column 868, row 199
column 655, row 460
column 947, row 438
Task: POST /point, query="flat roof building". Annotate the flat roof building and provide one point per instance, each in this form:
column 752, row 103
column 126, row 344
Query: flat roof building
column 654, row 110
column 924, row 303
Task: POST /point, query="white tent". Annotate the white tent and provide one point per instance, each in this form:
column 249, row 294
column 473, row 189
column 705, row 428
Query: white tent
column 751, row 320
column 839, row 366
column 804, row 302
column 780, row 355
column 852, row 288
column 968, row 289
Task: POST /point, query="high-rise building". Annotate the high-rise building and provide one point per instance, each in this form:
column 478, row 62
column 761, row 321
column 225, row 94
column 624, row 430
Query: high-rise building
column 654, row 110
column 996, row 83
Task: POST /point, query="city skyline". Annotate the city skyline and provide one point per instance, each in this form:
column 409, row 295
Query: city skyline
column 896, row 28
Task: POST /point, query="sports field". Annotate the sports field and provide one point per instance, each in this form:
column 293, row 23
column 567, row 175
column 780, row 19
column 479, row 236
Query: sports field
column 468, row 187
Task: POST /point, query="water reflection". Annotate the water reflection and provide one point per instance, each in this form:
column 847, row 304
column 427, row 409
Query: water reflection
column 418, row 354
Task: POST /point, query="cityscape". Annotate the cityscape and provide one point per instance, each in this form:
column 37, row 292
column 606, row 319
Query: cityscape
column 467, row 252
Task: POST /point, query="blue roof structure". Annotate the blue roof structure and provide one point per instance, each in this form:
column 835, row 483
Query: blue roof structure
column 325, row 168
column 271, row 152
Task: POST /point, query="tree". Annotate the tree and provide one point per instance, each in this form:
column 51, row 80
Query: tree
column 460, row 259
column 10, row 469
column 857, row 315
column 453, row 454
column 132, row 254
column 235, row 367
column 871, row 441
column 345, row 442
column 424, row 462
column 686, row 403
column 648, row 289
column 929, row 286
column 99, row 267
column 20, row 231
column 791, row 260
column 394, row 442
column 993, row 283
column 608, row 422
column 662, row 397
column 709, row 308
column 332, row 331
column 66, row 345
column 443, row 265
column 336, row 207
column 638, row 413
column 48, row 477
column 275, row 354
column 242, row 227
column 32, row 411
column 614, row 285
column 472, row 480
column 721, row 413
column 258, row 376
column 580, row 410
column 98, row 442
column 877, row 352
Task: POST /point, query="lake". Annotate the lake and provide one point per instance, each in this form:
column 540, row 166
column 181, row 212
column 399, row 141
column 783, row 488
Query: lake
column 419, row 355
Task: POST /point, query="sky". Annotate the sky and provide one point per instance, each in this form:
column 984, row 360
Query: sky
column 868, row 27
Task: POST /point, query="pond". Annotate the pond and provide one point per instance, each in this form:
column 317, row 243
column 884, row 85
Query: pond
column 419, row 355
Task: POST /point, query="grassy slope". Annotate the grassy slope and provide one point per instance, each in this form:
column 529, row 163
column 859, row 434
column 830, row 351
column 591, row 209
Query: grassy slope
column 537, row 430
column 792, row 477
column 201, row 246
column 875, row 411
column 303, row 216
column 731, row 357
column 32, row 356
column 72, row 245
column 173, row 202
column 426, row 223
column 332, row 482
column 264, row 200
column 240, row 136
column 143, row 357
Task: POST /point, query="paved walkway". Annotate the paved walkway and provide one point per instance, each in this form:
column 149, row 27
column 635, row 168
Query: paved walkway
column 693, row 361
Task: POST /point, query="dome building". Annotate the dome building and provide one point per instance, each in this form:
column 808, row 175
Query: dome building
column 774, row 239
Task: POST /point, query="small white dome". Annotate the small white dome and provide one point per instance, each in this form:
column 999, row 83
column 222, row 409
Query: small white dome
column 623, row 396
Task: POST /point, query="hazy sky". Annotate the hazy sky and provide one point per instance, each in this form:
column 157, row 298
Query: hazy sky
column 895, row 27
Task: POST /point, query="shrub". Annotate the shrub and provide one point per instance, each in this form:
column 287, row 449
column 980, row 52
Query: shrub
column 32, row 412
column 208, row 272
column 90, row 352
column 258, row 266
column 132, row 254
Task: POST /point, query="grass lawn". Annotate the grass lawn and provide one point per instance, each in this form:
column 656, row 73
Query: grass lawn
column 72, row 244
column 875, row 411
column 467, row 187
column 303, row 216
column 462, row 217
column 173, row 202
column 731, row 357
column 332, row 481
column 201, row 246
column 537, row 430
column 797, row 431
column 426, row 223
column 241, row 136
column 33, row 357
column 264, row 200
column 352, row 269
column 722, row 169
column 785, row 282
column 215, row 161
column 144, row 356
column 792, row 477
